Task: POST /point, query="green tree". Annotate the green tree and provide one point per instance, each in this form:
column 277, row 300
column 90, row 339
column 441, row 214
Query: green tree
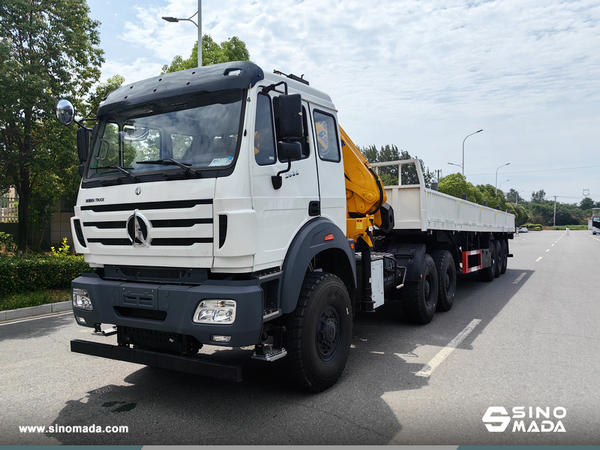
column 521, row 214
column 233, row 49
column 586, row 203
column 456, row 185
column 539, row 196
column 513, row 196
column 48, row 49
column 101, row 91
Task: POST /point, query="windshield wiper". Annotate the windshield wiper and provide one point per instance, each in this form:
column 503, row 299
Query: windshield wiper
column 120, row 169
column 172, row 162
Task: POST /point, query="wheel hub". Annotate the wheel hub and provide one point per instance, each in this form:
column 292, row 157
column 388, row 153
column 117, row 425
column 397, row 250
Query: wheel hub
column 327, row 333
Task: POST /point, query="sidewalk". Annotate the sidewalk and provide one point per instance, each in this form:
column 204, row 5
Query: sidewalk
column 32, row 311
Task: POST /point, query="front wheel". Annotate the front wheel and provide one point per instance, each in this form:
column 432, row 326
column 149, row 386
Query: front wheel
column 318, row 332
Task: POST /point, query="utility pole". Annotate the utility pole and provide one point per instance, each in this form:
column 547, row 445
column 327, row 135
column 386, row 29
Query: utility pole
column 555, row 210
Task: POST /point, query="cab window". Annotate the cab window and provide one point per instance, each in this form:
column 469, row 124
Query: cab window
column 264, row 143
column 326, row 134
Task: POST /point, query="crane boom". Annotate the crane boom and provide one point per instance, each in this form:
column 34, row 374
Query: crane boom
column 365, row 195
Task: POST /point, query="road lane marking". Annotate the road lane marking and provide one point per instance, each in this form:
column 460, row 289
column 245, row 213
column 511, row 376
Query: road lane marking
column 547, row 250
column 538, row 260
column 428, row 369
column 519, row 278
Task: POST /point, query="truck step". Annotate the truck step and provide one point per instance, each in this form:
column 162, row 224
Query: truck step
column 269, row 353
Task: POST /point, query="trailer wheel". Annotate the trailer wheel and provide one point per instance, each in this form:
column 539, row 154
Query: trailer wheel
column 499, row 259
column 419, row 299
column 318, row 332
column 446, row 272
column 488, row 273
column 504, row 258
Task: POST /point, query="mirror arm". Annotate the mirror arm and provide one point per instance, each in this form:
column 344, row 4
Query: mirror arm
column 81, row 125
column 272, row 87
column 276, row 180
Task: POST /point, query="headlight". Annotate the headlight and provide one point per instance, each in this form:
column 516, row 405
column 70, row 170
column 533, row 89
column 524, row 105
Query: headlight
column 215, row 312
column 81, row 299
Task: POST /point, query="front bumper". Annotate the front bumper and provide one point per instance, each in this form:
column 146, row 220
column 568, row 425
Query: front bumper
column 170, row 308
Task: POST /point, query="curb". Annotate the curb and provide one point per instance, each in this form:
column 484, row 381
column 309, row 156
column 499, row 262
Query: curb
column 31, row 311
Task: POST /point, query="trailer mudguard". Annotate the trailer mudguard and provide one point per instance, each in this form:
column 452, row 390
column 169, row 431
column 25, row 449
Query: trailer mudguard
column 410, row 256
column 319, row 237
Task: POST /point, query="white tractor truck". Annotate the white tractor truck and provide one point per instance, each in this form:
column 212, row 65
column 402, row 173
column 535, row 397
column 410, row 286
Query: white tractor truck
column 225, row 206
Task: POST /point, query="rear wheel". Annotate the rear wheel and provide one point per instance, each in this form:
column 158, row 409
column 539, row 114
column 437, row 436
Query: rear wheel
column 488, row 273
column 499, row 259
column 504, row 256
column 419, row 299
column 446, row 272
column 318, row 332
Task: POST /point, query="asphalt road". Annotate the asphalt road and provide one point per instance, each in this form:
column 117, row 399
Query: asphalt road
column 529, row 339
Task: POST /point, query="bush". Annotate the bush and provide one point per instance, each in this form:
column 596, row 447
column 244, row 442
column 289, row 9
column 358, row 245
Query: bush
column 533, row 226
column 30, row 273
column 571, row 227
column 6, row 241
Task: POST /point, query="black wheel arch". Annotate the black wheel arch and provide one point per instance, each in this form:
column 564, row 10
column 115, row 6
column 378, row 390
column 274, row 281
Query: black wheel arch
column 335, row 255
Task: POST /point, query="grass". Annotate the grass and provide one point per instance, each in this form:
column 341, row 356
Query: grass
column 37, row 298
column 572, row 227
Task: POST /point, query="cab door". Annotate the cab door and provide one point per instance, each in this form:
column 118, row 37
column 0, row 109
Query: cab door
column 280, row 212
column 330, row 167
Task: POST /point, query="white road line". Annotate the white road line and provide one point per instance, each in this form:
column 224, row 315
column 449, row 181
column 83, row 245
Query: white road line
column 45, row 316
column 428, row 369
column 519, row 278
column 547, row 250
column 538, row 260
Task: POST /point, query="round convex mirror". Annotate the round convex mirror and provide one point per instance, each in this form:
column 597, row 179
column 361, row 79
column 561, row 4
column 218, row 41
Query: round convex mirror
column 65, row 113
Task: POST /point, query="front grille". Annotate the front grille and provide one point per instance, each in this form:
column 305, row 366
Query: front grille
column 158, row 242
column 171, row 275
column 149, row 272
column 136, row 313
column 147, row 205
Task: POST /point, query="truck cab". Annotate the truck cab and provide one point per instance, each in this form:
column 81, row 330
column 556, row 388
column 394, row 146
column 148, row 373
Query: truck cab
column 206, row 196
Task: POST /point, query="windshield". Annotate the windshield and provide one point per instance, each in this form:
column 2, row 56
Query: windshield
column 200, row 132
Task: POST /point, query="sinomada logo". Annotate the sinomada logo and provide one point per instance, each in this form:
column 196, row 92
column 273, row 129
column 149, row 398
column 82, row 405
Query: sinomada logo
column 526, row 419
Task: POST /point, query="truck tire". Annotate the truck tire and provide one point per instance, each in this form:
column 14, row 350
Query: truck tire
column 504, row 256
column 318, row 333
column 446, row 271
column 488, row 273
column 419, row 298
column 499, row 258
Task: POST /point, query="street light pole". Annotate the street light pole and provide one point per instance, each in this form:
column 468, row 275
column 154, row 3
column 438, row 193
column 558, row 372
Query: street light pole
column 497, row 175
column 463, row 150
column 517, row 199
column 198, row 25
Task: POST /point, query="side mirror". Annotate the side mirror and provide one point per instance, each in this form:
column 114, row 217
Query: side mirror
column 289, row 151
column 289, row 110
column 83, row 143
column 65, row 112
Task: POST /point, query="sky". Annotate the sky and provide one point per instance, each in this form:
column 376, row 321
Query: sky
column 421, row 75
